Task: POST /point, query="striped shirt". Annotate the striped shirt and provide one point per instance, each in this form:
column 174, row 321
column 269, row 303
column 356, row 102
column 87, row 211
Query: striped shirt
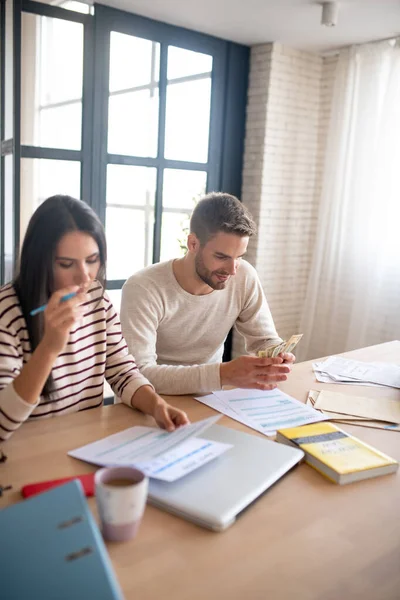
column 95, row 350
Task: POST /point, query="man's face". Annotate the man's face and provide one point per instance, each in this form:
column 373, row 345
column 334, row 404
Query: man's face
column 219, row 259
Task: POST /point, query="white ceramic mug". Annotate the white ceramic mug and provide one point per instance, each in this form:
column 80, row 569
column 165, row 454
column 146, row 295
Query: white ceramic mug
column 121, row 494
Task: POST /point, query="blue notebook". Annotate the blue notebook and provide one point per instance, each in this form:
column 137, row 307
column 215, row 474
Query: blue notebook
column 52, row 549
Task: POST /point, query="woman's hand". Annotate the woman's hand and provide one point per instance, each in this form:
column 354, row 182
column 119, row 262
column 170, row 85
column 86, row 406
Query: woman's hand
column 60, row 317
column 166, row 416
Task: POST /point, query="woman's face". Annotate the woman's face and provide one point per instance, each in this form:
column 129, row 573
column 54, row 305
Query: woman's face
column 77, row 260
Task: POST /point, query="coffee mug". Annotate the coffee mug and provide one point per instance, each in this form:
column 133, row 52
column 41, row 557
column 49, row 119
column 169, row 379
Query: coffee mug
column 121, row 494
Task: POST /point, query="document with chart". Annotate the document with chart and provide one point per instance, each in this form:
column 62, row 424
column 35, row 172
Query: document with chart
column 265, row 411
column 159, row 454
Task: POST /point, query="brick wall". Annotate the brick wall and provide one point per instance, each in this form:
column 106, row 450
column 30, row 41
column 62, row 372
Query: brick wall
column 287, row 117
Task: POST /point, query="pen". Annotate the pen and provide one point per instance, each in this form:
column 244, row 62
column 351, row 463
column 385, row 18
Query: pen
column 35, row 311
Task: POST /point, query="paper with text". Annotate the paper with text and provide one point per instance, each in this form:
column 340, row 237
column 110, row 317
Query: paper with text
column 159, row 454
column 265, row 411
column 342, row 369
column 324, row 377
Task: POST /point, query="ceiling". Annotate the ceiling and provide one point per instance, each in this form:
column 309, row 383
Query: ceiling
column 295, row 23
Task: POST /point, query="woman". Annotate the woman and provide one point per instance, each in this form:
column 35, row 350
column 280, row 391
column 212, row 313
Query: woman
column 54, row 362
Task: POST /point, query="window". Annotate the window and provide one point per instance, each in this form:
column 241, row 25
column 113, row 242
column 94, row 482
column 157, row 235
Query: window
column 133, row 129
column 164, row 92
column 51, row 110
column 133, row 115
column 181, row 190
column 129, row 217
column 51, row 82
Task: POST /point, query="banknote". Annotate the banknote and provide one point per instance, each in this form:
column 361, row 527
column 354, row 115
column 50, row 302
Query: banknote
column 292, row 342
column 269, row 352
column 285, row 346
column 278, row 349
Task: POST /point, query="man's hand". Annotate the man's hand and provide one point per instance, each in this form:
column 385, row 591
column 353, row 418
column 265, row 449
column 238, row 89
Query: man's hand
column 287, row 357
column 256, row 373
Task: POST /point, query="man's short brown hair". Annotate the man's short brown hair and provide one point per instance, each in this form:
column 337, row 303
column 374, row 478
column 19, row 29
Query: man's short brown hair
column 220, row 212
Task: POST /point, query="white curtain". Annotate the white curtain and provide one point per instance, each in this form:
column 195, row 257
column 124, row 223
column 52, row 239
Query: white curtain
column 353, row 297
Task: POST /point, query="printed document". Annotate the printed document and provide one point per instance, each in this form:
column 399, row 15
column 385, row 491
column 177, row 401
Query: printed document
column 342, row 369
column 263, row 411
column 159, row 454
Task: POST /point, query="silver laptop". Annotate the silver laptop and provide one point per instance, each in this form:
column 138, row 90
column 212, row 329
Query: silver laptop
column 215, row 494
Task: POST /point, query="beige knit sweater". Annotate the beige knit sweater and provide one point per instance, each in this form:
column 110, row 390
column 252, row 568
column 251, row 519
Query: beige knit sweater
column 178, row 338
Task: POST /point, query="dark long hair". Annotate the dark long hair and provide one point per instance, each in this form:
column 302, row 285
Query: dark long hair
column 34, row 282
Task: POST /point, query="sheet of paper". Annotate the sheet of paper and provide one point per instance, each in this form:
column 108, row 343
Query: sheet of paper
column 357, row 421
column 382, row 373
column 265, row 411
column 183, row 459
column 377, row 409
column 162, row 455
column 214, row 402
column 323, row 377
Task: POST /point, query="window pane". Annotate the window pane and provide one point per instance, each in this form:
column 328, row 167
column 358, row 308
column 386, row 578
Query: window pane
column 49, row 126
column 175, row 229
column 61, row 60
column 133, row 101
column 41, row 178
column 129, row 241
column 134, row 62
column 9, row 210
column 52, row 72
column 131, row 186
column 133, row 123
column 129, row 218
column 182, row 189
column 188, row 120
column 74, row 5
column 182, row 63
column 115, row 297
column 9, row 72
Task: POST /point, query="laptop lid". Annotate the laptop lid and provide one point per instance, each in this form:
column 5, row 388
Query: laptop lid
column 215, row 494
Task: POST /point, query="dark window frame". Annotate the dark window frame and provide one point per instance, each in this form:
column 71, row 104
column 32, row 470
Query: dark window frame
column 110, row 19
column 227, row 112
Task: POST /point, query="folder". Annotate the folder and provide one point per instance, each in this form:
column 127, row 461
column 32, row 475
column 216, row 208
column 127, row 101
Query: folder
column 87, row 481
column 51, row 548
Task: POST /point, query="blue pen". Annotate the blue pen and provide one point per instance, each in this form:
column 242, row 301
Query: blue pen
column 35, row 311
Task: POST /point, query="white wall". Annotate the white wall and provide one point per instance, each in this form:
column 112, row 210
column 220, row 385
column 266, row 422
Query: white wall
column 287, row 117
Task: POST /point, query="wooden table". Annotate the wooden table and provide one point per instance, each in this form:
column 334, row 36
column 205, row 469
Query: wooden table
column 306, row 538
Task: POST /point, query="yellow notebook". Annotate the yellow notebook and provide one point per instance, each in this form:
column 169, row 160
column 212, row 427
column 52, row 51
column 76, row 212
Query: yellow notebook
column 336, row 454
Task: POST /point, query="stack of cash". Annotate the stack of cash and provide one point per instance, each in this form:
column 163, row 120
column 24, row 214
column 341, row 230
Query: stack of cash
column 284, row 346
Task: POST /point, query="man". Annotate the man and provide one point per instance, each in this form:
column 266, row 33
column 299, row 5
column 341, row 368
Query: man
column 176, row 315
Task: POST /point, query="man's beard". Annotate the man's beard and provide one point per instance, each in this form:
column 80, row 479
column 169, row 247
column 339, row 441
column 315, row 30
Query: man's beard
column 206, row 275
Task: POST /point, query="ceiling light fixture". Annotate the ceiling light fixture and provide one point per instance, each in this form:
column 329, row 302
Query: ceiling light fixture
column 330, row 12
